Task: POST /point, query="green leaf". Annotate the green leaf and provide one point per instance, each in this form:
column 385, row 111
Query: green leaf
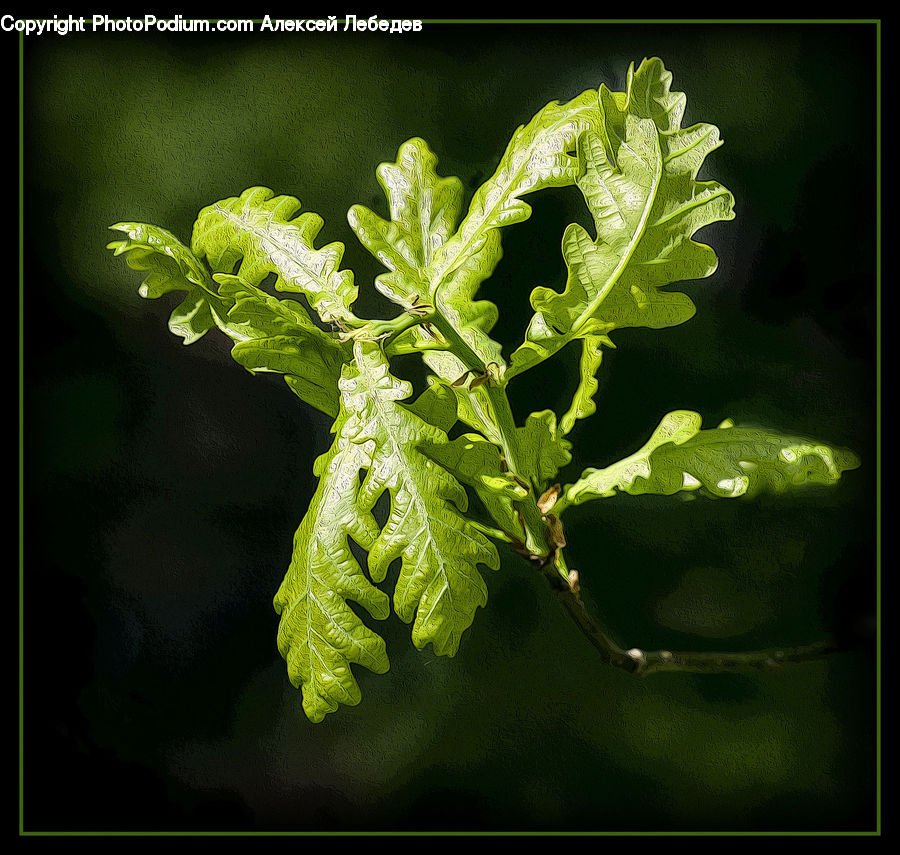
column 277, row 336
column 473, row 406
column 476, row 462
column 439, row 586
column 171, row 266
column 430, row 265
column 424, row 211
column 266, row 235
column 583, row 404
column 253, row 313
column 309, row 372
column 725, row 462
column 639, row 182
column 436, row 405
column 544, row 450
column 538, row 156
column 319, row 634
column 268, row 334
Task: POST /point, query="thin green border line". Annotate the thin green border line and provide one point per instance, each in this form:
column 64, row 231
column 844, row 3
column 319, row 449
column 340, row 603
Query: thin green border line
column 643, row 20
column 878, row 481
column 452, row 833
column 21, row 433
column 876, row 21
column 878, row 425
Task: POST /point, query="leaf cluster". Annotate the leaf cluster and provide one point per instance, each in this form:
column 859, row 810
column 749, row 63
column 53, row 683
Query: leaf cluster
column 637, row 169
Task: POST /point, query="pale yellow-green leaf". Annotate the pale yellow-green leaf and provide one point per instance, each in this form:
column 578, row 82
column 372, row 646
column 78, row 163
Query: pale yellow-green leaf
column 424, row 212
column 266, row 235
column 268, row 334
column 583, row 404
column 476, row 462
column 539, row 155
column 171, row 266
column 544, row 451
column 725, row 462
column 378, row 436
column 638, row 178
column 439, row 586
column 319, row 635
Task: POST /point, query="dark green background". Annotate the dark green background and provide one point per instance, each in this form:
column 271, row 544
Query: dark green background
column 163, row 483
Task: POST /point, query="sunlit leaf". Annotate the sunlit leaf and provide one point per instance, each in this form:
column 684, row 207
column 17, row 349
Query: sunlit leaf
column 725, row 462
column 638, row 178
column 266, row 235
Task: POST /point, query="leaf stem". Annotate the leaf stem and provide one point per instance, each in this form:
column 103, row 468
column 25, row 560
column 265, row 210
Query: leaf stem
column 490, row 531
column 392, row 327
column 535, row 531
column 458, row 345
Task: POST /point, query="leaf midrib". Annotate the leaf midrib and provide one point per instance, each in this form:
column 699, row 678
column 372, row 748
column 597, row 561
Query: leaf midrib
column 625, row 259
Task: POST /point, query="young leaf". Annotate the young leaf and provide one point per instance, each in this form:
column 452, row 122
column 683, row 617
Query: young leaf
column 473, row 406
column 725, row 462
column 436, row 405
column 439, row 586
column 538, row 156
column 319, row 634
column 476, row 462
column 544, row 450
column 278, row 336
column 171, row 267
column 265, row 234
column 268, row 334
column 424, row 211
column 639, row 182
column 583, row 404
